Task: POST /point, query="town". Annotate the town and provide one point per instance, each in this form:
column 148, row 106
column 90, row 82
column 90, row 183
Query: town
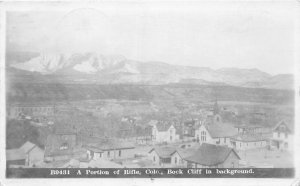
column 147, row 134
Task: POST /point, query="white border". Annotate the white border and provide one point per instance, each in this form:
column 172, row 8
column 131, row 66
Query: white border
column 135, row 5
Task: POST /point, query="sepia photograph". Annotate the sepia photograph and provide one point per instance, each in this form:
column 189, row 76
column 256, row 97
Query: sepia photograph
column 150, row 90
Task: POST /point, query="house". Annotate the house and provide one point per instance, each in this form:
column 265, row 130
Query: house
column 34, row 154
column 282, row 137
column 164, row 132
column 162, row 155
column 213, row 156
column 27, row 155
column 251, row 129
column 247, row 141
column 110, row 149
column 60, row 146
column 178, row 157
column 15, row 157
column 217, row 134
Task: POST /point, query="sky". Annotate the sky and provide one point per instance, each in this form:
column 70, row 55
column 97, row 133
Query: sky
column 216, row 35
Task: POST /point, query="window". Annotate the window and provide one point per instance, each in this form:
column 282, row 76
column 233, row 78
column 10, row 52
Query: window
column 203, row 136
column 175, row 160
column 232, row 165
column 278, row 134
column 224, row 140
column 120, row 153
column 64, row 146
column 108, row 153
column 154, row 158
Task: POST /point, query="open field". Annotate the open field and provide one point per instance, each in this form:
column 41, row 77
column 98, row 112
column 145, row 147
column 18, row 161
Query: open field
column 262, row 158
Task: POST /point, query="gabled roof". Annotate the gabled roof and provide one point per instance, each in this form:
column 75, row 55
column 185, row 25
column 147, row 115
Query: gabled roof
column 282, row 122
column 184, row 153
column 221, row 130
column 210, row 155
column 163, row 126
column 164, row 152
column 15, row 154
column 111, row 144
column 28, row 146
column 94, row 149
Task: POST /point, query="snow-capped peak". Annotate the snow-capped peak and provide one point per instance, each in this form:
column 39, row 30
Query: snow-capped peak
column 45, row 64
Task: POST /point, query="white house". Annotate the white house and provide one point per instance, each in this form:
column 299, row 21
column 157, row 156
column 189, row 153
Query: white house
column 164, row 132
column 282, row 138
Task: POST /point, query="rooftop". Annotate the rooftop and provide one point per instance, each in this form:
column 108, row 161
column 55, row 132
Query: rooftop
column 249, row 126
column 164, row 152
column 221, row 130
column 282, row 123
column 163, row 126
column 15, row 154
column 28, row 146
column 249, row 137
column 210, row 155
column 110, row 144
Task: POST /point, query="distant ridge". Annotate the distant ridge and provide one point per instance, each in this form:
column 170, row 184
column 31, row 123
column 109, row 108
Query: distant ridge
column 115, row 69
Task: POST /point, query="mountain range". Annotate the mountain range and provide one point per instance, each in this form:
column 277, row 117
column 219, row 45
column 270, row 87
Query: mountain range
column 117, row 69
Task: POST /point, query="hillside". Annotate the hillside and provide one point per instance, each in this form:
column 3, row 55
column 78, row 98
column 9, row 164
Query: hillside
column 35, row 92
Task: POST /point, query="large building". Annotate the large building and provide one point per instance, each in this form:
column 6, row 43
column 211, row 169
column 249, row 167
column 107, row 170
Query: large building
column 205, row 156
column 110, row 149
column 217, row 134
column 248, row 141
column 213, row 156
column 19, row 110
